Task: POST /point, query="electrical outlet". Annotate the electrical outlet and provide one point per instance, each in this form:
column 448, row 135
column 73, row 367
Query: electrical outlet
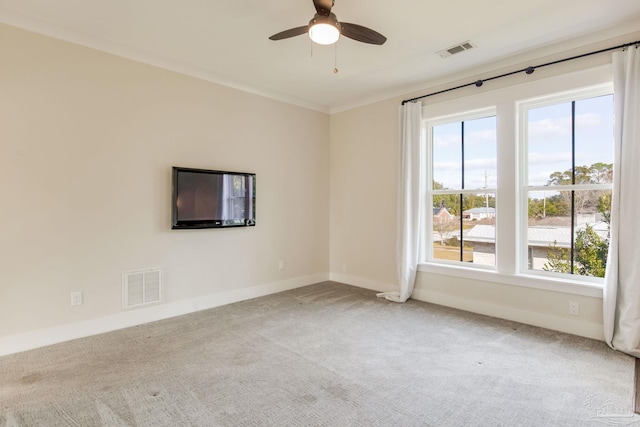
column 574, row 308
column 281, row 264
column 344, row 268
column 76, row 298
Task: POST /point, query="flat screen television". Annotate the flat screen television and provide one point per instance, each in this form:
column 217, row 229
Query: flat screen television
column 212, row 199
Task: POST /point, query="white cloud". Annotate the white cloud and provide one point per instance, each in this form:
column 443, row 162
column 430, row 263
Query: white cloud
column 488, row 135
column 562, row 157
column 476, row 164
column 447, row 140
column 589, row 120
column 560, row 127
column 446, row 166
column 550, row 128
column 541, row 165
column 483, row 164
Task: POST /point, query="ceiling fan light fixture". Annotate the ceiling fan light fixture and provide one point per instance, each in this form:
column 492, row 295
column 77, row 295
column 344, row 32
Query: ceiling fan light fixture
column 324, row 29
column 324, row 34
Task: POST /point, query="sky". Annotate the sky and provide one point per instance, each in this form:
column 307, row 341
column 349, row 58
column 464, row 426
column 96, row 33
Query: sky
column 550, row 137
column 549, row 144
column 479, row 154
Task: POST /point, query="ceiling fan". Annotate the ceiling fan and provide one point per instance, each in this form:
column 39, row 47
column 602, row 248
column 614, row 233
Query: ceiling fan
column 324, row 28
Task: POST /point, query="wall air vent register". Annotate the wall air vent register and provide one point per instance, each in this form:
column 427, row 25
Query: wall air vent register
column 140, row 288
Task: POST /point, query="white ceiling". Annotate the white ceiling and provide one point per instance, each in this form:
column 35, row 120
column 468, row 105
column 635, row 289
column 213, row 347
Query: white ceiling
column 227, row 42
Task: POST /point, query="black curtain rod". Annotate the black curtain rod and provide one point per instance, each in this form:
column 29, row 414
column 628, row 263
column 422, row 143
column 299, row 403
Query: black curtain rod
column 528, row 70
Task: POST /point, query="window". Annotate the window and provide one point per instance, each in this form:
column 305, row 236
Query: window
column 463, row 188
column 517, row 183
column 569, row 171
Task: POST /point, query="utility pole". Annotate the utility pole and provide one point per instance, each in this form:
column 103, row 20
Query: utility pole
column 486, row 195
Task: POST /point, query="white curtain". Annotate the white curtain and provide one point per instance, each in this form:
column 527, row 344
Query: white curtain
column 622, row 280
column 409, row 207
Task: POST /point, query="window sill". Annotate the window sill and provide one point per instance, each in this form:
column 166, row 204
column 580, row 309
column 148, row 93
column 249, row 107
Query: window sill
column 568, row 286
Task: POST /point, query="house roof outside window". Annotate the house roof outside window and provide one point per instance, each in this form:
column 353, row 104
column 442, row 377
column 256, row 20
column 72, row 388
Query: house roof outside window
column 537, row 236
column 483, row 210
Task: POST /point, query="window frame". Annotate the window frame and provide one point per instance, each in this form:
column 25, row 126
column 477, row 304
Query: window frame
column 522, row 107
column 503, row 98
column 427, row 126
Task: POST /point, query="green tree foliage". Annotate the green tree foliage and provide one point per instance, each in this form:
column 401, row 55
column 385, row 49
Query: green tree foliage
column 597, row 173
column 590, row 255
column 449, row 201
column 585, row 201
column 590, row 250
column 604, row 206
column 601, row 172
column 555, row 205
column 558, row 259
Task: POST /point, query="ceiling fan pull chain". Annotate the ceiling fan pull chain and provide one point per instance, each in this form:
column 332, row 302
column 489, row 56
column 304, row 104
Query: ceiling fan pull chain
column 335, row 58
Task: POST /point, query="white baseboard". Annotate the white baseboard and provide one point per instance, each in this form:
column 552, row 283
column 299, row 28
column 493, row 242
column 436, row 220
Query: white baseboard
column 43, row 337
column 543, row 320
column 362, row 282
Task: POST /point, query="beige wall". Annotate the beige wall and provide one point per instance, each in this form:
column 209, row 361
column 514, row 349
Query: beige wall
column 87, row 141
column 363, row 194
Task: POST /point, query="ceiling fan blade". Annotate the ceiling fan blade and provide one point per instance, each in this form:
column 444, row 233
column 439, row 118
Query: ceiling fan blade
column 362, row 34
column 323, row 7
column 292, row 32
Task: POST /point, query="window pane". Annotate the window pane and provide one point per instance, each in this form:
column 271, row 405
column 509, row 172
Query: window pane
column 549, row 230
column 591, row 237
column 447, row 156
column 549, row 235
column 455, row 215
column 594, row 140
column 446, row 227
column 480, row 153
column 479, row 228
column 549, row 144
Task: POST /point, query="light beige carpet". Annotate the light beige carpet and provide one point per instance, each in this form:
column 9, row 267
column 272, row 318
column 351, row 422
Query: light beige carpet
column 323, row 355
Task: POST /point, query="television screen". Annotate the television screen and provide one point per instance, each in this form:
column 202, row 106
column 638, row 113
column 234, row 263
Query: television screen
column 212, row 199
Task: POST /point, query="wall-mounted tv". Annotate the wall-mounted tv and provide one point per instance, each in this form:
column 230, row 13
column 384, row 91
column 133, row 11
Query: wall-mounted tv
column 212, row 199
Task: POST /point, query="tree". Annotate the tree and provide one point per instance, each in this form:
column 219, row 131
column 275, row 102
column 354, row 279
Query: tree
column 452, row 201
column 557, row 205
column 590, row 250
column 444, row 225
column 585, row 201
column 558, row 259
column 604, row 207
column 601, row 172
column 590, row 255
column 597, row 173
column 449, row 201
column 537, row 208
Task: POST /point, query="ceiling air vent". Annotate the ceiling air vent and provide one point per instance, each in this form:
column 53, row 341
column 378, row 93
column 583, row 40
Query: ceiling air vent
column 456, row 49
column 140, row 288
